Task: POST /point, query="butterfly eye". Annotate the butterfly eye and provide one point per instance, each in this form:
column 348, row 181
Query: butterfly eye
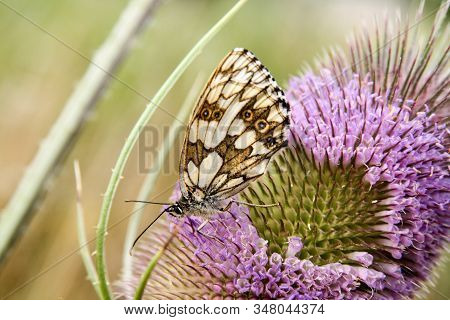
column 178, row 211
column 262, row 126
column 175, row 210
column 217, row 114
column 248, row 115
column 205, row 113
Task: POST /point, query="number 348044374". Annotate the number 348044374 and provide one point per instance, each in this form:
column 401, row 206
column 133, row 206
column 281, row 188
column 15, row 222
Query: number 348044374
column 274, row 308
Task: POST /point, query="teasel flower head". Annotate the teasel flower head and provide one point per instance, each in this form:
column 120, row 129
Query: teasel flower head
column 364, row 188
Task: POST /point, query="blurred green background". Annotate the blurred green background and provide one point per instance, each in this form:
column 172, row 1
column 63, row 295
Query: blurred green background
column 37, row 74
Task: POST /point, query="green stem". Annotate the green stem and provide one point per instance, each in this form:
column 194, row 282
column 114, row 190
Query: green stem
column 147, row 185
column 151, row 265
column 82, row 240
column 132, row 138
column 60, row 138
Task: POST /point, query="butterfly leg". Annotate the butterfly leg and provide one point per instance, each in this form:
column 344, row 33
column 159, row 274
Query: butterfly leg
column 191, row 223
column 227, row 209
column 233, row 216
column 257, row 205
column 204, row 223
column 199, row 230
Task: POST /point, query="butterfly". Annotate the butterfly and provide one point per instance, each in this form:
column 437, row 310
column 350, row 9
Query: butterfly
column 239, row 122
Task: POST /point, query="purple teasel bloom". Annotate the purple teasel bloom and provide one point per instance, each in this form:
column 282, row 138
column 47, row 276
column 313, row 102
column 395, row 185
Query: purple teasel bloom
column 364, row 189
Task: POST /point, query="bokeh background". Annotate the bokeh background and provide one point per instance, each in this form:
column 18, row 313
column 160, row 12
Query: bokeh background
column 37, row 74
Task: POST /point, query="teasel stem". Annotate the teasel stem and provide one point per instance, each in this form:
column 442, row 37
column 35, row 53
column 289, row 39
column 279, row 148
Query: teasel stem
column 150, row 179
column 134, row 135
column 151, row 265
column 81, row 232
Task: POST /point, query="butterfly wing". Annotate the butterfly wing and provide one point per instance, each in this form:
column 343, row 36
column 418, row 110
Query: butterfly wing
column 239, row 122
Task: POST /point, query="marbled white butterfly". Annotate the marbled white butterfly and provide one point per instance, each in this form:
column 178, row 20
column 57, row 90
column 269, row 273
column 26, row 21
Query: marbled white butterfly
column 239, row 122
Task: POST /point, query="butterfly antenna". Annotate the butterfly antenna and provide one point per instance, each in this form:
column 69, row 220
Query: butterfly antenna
column 149, row 202
column 142, row 233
